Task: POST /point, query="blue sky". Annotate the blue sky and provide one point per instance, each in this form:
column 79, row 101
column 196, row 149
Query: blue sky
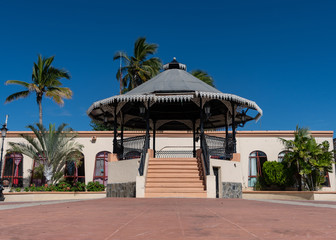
column 280, row 54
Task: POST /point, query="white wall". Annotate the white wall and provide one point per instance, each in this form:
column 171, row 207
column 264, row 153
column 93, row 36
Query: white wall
column 267, row 142
column 271, row 146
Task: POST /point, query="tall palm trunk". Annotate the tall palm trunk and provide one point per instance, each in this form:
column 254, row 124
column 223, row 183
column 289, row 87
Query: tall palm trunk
column 48, row 173
column 39, row 102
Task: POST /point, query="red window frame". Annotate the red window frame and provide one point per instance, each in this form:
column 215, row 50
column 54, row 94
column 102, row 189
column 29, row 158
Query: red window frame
column 259, row 156
column 12, row 178
column 75, row 176
column 101, row 178
column 38, row 181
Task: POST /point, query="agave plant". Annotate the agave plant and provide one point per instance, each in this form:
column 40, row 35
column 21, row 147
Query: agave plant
column 52, row 148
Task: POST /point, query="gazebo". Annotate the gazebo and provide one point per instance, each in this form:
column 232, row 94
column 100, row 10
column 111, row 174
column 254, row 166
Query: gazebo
column 175, row 100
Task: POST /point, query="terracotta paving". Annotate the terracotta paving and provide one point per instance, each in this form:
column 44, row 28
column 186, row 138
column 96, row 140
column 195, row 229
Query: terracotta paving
column 117, row 218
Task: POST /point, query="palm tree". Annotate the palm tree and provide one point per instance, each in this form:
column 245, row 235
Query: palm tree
column 45, row 81
column 297, row 153
column 311, row 161
column 52, row 148
column 138, row 68
column 203, row 76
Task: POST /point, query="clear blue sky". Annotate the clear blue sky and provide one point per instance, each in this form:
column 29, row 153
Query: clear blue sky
column 280, row 54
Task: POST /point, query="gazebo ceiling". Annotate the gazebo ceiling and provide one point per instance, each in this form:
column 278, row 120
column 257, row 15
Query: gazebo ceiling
column 174, row 98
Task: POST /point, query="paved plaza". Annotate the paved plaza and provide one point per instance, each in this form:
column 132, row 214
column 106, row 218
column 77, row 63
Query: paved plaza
column 117, row 218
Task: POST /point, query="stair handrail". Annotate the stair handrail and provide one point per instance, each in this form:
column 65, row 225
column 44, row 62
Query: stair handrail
column 143, row 156
column 219, row 147
column 130, row 148
column 200, row 163
column 205, row 154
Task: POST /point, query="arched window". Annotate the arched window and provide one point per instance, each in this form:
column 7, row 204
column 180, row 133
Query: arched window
column 37, row 176
column 256, row 161
column 100, row 170
column 75, row 172
column 281, row 156
column 13, row 170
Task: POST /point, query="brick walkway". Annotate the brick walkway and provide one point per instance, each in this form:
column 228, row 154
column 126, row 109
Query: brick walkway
column 158, row 219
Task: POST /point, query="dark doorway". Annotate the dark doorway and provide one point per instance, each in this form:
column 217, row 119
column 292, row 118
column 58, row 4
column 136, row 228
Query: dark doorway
column 216, row 173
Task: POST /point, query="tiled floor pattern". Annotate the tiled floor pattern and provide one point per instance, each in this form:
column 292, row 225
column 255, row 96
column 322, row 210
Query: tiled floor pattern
column 168, row 218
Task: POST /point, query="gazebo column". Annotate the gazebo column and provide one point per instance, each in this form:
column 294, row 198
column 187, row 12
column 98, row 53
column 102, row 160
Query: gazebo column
column 226, row 132
column 154, row 136
column 201, row 123
column 147, row 127
column 194, row 138
column 115, row 131
column 122, row 135
column 234, row 128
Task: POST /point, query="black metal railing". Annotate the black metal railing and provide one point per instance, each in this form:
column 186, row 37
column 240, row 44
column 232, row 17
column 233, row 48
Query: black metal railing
column 205, row 153
column 143, row 155
column 132, row 147
column 219, row 148
column 175, row 152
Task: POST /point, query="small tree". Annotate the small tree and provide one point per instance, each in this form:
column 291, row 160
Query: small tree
column 52, row 148
column 311, row 160
column 97, row 126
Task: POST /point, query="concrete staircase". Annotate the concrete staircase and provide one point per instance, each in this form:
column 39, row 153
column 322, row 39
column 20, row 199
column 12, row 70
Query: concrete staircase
column 174, row 177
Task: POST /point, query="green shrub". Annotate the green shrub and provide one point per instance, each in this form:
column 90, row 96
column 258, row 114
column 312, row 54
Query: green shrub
column 275, row 173
column 32, row 188
column 63, row 187
column 95, row 187
column 18, row 189
column 78, row 187
column 260, row 184
column 26, row 189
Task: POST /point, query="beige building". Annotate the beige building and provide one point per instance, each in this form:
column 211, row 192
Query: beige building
column 253, row 147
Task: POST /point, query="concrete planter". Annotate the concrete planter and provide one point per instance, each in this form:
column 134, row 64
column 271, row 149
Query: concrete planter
column 290, row 195
column 48, row 196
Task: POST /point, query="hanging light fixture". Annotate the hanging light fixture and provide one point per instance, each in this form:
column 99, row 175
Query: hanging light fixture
column 142, row 110
column 207, row 112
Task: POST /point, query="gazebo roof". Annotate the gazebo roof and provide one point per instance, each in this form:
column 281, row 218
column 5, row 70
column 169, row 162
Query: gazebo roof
column 172, row 86
column 172, row 81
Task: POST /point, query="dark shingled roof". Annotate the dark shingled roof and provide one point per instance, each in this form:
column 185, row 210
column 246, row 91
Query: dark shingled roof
column 170, row 81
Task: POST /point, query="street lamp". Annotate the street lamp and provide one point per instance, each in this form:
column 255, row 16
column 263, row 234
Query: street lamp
column 3, row 135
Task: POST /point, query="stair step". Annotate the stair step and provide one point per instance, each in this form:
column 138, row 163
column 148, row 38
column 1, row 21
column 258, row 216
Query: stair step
column 175, row 184
column 172, row 159
column 174, row 189
column 165, row 170
column 168, row 166
column 172, row 174
column 174, row 177
column 172, row 163
column 171, row 180
column 176, row 195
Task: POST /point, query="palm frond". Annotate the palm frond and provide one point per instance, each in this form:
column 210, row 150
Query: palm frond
column 17, row 95
column 17, row 82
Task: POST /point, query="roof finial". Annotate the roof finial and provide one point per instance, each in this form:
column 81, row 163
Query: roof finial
column 174, row 65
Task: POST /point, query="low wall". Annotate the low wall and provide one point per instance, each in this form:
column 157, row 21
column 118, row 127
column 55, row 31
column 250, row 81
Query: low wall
column 126, row 190
column 290, row 195
column 49, row 196
column 123, row 171
column 231, row 190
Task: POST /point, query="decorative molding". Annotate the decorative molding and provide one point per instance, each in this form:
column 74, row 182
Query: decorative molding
column 183, row 134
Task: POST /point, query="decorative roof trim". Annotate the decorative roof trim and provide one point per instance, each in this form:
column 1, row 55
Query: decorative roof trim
column 177, row 98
